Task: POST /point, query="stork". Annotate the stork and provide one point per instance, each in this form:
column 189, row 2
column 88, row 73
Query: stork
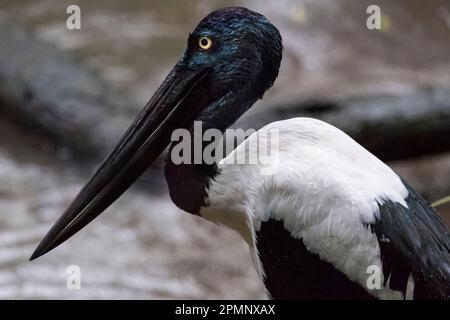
column 330, row 211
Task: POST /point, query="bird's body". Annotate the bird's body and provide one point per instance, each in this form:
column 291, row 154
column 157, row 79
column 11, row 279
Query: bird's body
column 325, row 198
column 326, row 190
column 319, row 223
column 315, row 220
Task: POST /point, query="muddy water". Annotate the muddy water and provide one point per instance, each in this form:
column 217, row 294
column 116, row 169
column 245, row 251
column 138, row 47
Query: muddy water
column 144, row 247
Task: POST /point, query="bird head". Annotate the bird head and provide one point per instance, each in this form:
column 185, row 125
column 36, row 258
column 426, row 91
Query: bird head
column 241, row 47
column 232, row 58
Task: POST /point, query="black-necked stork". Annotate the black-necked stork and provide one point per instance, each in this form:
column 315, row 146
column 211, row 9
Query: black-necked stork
column 314, row 227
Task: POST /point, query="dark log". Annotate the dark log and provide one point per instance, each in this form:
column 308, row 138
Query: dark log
column 56, row 97
column 392, row 126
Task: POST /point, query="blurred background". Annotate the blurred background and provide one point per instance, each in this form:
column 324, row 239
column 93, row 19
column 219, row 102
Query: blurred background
column 67, row 95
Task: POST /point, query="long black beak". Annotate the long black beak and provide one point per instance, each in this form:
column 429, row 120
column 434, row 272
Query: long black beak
column 182, row 95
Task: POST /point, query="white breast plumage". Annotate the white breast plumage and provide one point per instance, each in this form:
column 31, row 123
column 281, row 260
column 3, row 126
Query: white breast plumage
column 325, row 189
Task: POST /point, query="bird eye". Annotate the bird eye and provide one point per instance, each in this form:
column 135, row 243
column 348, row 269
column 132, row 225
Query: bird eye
column 205, row 43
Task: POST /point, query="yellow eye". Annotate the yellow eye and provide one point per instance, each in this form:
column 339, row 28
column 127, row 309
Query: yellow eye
column 205, row 43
